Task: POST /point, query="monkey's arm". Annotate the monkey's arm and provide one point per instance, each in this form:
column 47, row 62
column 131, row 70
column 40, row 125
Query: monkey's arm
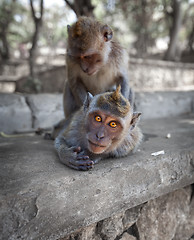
column 73, row 97
column 79, row 92
column 123, row 80
column 71, row 156
column 74, row 85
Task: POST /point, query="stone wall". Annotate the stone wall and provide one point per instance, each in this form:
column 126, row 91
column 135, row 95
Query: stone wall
column 145, row 75
column 169, row 217
column 160, row 75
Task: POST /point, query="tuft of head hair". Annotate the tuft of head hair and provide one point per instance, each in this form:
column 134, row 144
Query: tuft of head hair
column 114, row 102
column 117, row 94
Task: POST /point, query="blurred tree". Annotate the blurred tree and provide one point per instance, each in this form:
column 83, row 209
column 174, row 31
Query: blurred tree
column 174, row 17
column 189, row 26
column 37, row 18
column 54, row 33
column 139, row 15
column 81, row 7
column 6, row 17
column 191, row 38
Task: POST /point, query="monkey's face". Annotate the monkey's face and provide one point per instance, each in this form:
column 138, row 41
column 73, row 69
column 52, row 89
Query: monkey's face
column 90, row 63
column 103, row 130
column 89, row 44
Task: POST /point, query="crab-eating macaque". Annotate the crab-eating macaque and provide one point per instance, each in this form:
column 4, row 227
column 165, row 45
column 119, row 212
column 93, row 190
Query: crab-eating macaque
column 95, row 63
column 105, row 126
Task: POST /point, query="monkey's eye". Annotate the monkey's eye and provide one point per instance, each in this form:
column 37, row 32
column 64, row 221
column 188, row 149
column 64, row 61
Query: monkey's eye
column 113, row 124
column 98, row 119
column 87, row 57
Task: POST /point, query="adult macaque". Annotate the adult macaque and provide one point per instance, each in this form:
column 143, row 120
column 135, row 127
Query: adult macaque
column 105, row 126
column 95, row 63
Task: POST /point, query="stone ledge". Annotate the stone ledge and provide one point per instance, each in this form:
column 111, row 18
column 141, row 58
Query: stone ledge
column 43, row 199
column 44, row 110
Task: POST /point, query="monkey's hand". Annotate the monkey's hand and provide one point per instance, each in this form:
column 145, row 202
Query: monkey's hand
column 82, row 161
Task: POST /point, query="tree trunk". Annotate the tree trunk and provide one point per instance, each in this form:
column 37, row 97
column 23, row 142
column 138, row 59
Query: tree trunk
column 32, row 57
column 174, row 31
column 33, row 50
column 4, row 49
column 191, row 40
column 8, row 9
column 81, row 7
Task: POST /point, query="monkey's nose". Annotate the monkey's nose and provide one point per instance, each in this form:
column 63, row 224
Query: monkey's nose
column 85, row 70
column 100, row 136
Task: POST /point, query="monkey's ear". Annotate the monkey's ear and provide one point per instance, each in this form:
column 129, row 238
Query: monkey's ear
column 87, row 101
column 135, row 119
column 107, row 33
column 68, row 28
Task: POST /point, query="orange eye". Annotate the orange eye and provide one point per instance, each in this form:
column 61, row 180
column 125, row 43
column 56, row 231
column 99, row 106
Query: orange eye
column 98, row 119
column 113, row 124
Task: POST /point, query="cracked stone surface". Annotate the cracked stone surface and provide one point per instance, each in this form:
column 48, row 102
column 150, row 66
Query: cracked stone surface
column 42, row 199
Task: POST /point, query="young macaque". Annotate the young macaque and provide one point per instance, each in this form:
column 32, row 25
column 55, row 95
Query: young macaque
column 105, row 126
column 95, row 63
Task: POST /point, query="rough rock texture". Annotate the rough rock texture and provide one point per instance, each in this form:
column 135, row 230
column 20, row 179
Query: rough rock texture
column 144, row 75
column 42, row 199
column 126, row 236
column 52, row 80
column 162, row 217
column 169, row 217
column 47, row 109
column 15, row 114
column 160, row 75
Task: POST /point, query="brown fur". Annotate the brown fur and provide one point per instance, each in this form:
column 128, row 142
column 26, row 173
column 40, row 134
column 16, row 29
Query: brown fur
column 114, row 102
column 89, row 36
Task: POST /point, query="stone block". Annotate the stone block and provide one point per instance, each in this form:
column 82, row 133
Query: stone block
column 164, row 104
column 126, row 236
column 15, row 114
column 162, row 217
column 47, row 109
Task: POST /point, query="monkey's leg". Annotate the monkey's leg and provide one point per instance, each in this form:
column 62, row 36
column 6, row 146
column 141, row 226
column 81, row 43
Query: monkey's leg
column 70, row 156
column 55, row 130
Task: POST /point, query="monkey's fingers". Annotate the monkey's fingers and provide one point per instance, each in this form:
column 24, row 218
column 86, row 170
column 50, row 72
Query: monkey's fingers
column 81, row 165
column 81, row 162
column 81, row 168
column 85, row 157
column 77, row 149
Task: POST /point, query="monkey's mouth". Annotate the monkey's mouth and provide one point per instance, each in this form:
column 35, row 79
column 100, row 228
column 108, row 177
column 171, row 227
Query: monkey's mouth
column 91, row 73
column 96, row 148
